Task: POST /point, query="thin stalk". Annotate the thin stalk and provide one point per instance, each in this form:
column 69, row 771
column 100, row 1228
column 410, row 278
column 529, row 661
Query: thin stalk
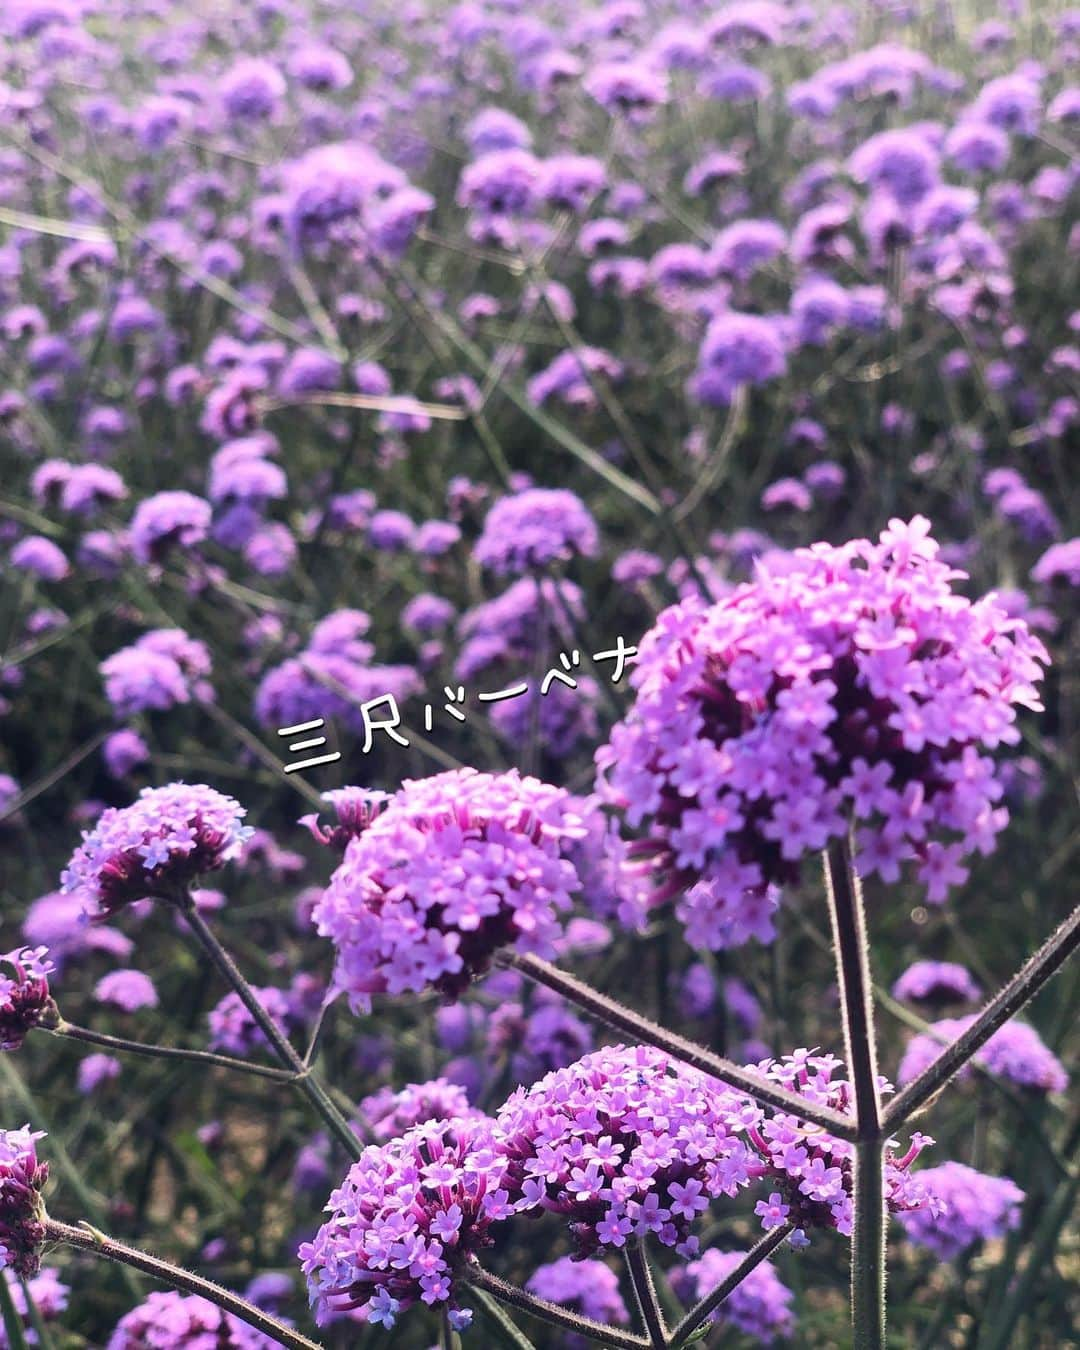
column 44, row 1336
column 88, row 1239
column 637, row 1263
column 625, row 1020
column 120, row 1043
column 9, row 1317
column 552, row 1313
column 1023, row 987
column 685, row 1329
column 497, row 1315
column 311, row 1087
column 853, row 976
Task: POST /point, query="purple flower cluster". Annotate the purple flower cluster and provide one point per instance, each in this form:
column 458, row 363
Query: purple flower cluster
column 976, row 1207
column 159, row 670
column 154, row 847
column 628, row 1142
column 1014, row 1052
column 936, row 983
column 588, row 1287
column 22, row 1211
column 456, row 866
column 535, row 528
column 408, row 1216
column 172, row 1321
column 389, row 1113
column 758, row 1306
column 842, row 683
column 24, row 995
column 234, row 1030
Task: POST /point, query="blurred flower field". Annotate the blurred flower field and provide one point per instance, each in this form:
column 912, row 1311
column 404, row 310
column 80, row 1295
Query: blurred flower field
column 491, row 496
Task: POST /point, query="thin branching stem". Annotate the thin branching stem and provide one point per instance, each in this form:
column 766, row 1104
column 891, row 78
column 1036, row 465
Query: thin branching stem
column 641, row 1277
column 761, row 1250
column 623, row 1019
column 122, row 1044
column 552, row 1313
column 856, row 1003
column 88, row 1239
column 305, row 1079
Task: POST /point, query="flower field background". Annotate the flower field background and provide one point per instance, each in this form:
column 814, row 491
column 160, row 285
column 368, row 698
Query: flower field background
column 492, row 496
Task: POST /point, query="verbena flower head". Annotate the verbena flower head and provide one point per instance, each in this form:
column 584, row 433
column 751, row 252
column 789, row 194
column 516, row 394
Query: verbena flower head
column 456, row 866
column 355, row 808
column 24, row 995
column 972, row 1207
column 168, row 519
column 1015, row 1052
column 759, row 1306
column 534, row 528
column 629, row 1142
column 129, row 990
column 157, row 845
column 408, row 1216
column 389, row 1113
column 810, row 1171
column 22, row 1212
column 841, row 683
column 936, row 982
column 172, row 1321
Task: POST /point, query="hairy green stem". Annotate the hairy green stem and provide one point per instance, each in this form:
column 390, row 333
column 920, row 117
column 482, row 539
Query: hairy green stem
column 552, row 1313
column 304, row 1078
column 625, row 1020
column 88, row 1239
column 120, row 1043
column 637, row 1263
column 856, row 1003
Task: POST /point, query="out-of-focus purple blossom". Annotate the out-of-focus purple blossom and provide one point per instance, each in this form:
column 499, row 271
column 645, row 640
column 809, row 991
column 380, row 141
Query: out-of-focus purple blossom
column 95, row 1071
column 389, row 1113
column 49, row 1297
column 175, row 1321
column 1060, row 563
column 974, row 1208
column 535, row 528
column 168, row 520
column 234, row 1030
column 738, row 349
column 759, row 1306
column 901, row 162
column 40, row 557
column 936, row 983
column 588, row 1287
column 129, row 990
column 1014, row 1052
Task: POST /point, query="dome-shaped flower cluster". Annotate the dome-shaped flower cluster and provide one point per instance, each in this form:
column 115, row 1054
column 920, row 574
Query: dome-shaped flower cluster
column 1015, row 1052
column 977, row 1206
column 22, row 1177
column 936, row 982
column 759, row 1305
column 628, row 1142
column 172, row 1321
column 589, row 1287
column 162, row 841
column 355, row 809
column 841, row 683
column 408, row 1215
column 811, row 1169
column 456, row 866
column 534, row 528
column 24, row 995
column 389, row 1113
column 625, row 1142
